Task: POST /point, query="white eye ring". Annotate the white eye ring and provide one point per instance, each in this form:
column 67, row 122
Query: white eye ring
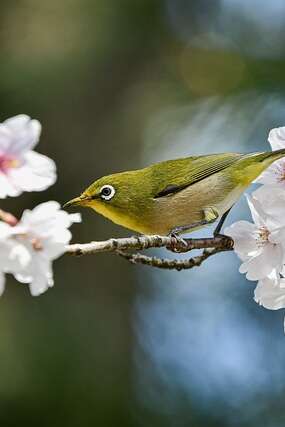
column 107, row 192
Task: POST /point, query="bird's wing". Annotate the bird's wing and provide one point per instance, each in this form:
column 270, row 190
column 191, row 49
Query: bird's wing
column 174, row 175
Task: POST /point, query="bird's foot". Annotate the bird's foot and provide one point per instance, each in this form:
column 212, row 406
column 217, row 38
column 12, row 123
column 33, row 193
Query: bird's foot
column 178, row 243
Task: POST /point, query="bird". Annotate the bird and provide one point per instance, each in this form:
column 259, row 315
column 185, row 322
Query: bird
column 177, row 196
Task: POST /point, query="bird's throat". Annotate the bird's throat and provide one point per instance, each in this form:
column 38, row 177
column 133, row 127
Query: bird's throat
column 113, row 214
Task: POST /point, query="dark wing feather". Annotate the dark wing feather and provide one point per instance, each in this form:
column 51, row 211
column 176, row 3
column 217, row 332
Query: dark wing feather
column 174, row 175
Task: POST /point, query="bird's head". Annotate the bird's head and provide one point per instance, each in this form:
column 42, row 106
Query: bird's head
column 101, row 192
column 114, row 196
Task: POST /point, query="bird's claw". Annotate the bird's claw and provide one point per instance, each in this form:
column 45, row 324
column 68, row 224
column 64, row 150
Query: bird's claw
column 178, row 244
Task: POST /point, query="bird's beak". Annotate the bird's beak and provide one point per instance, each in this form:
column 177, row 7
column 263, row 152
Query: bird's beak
column 78, row 201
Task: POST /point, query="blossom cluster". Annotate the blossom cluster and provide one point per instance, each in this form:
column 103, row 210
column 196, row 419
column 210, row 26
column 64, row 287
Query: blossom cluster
column 29, row 245
column 261, row 244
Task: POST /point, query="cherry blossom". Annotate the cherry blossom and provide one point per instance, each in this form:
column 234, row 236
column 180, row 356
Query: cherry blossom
column 258, row 244
column 39, row 238
column 21, row 168
column 270, row 293
column 275, row 173
column 272, row 199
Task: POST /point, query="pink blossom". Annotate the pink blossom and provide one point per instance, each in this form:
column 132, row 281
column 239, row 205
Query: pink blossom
column 21, row 168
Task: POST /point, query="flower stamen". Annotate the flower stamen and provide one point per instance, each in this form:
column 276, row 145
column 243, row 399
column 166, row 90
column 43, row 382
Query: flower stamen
column 7, row 163
column 263, row 236
column 37, row 244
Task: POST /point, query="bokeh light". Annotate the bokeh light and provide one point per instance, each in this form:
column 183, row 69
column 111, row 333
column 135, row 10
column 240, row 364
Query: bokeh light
column 117, row 86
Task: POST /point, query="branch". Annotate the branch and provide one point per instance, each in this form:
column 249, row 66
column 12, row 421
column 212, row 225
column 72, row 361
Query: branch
column 147, row 242
column 211, row 247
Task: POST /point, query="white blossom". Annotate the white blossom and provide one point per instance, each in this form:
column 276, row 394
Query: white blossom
column 261, row 245
column 275, row 173
column 272, row 200
column 270, row 293
column 39, row 237
column 258, row 244
column 21, row 168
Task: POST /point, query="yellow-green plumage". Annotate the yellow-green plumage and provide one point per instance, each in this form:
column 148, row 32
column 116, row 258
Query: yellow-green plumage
column 174, row 193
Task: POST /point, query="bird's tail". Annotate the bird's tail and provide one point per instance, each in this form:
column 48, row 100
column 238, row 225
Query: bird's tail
column 270, row 156
column 253, row 164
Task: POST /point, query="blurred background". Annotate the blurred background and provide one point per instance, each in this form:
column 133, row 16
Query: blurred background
column 119, row 84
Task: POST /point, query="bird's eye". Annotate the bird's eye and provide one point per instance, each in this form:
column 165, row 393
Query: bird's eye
column 107, row 192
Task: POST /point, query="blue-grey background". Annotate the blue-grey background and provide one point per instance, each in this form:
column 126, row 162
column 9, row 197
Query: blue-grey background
column 118, row 84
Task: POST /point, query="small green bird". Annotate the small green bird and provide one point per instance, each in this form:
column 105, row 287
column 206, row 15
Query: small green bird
column 176, row 196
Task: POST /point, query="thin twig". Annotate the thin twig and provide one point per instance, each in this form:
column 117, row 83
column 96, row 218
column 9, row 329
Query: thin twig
column 171, row 264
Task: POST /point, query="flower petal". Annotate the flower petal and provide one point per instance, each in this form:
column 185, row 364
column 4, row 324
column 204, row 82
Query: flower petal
column 37, row 173
column 41, row 213
column 5, row 230
column 269, row 295
column 23, row 132
column 271, row 202
column 42, row 279
column 54, row 250
column 257, row 213
column 277, row 236
column 243, row 233
column 49, row 221
column 21, row 255
column 7, row 188
column 269, row 259
column 276, row 138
